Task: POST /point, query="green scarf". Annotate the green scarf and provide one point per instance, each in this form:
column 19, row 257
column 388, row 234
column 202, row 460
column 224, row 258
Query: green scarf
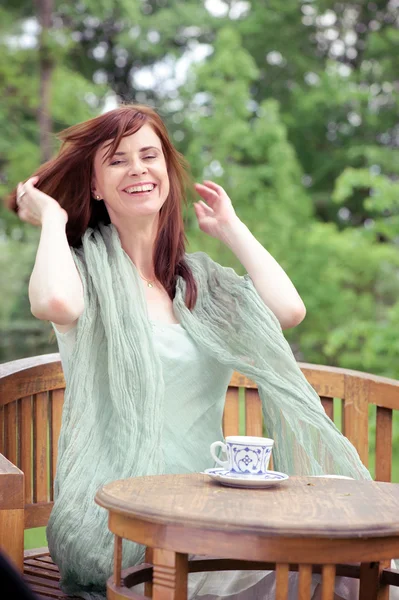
column 111, row 423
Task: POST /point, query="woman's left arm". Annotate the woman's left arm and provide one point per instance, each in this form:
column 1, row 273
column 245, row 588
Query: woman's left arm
column 271, row 282
column 218, row 218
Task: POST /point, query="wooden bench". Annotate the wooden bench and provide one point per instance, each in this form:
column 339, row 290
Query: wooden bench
column 31, row 400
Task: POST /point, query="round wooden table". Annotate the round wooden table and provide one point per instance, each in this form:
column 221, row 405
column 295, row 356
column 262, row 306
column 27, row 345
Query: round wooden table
column 305, row 523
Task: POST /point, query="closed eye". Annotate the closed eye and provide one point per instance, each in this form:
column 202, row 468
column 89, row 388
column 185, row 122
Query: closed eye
column 116, row 162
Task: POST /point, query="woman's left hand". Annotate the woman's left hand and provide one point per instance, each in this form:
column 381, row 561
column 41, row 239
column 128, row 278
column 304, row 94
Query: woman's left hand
column 216, row 215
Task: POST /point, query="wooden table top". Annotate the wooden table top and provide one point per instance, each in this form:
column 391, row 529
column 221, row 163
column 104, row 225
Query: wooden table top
column 301, row 506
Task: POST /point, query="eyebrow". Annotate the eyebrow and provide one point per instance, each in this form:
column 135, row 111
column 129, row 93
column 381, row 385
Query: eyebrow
column 141, row 150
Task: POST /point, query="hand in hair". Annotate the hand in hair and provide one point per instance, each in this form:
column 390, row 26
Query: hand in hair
column 216, row 214
column 33, row 204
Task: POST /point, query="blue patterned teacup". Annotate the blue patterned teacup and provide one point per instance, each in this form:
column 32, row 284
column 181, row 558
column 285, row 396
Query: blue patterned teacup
column 245, row 454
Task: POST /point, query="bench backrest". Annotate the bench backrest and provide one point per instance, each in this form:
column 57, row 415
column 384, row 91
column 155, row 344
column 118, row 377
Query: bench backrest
column 32, row 395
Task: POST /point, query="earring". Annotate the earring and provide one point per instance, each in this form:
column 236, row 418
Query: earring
column 97, row 197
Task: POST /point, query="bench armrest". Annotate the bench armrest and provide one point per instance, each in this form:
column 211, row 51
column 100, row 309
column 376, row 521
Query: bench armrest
column 12, row 512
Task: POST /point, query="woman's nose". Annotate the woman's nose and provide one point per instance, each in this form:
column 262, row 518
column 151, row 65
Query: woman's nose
column 137, row 168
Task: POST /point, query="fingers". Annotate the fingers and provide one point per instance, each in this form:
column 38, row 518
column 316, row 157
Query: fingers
column 29, row 185
column 214, row 186
column 25, row 211
column 208, row 194
column 203, row 210
column 20, row 194
column 32, row 180
column 25, row 188
column 207, row 208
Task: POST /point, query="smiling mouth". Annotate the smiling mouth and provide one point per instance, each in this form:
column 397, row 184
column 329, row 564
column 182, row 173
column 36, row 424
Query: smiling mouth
column 136, row 190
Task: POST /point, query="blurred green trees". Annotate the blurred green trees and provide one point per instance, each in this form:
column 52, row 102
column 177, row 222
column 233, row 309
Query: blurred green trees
column 291, row 106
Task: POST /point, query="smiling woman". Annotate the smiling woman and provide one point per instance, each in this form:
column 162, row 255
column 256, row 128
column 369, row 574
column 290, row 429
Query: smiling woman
column 118, row 168
column 136, row 171
column 150, row 335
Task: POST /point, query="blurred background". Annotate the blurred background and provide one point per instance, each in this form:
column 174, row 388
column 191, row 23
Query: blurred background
column 291, row 106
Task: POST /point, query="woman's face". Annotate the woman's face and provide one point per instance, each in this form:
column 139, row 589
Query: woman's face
column 134, row 181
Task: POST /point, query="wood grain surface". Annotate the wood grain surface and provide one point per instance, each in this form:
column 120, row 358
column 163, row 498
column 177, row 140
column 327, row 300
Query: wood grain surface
column 20, row 378
column 361, row 511
column 300, row 506
column 11, row 485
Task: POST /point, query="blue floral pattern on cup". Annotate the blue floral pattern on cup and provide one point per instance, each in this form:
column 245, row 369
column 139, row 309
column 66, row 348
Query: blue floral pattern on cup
column 245, row 458
column 246, row 455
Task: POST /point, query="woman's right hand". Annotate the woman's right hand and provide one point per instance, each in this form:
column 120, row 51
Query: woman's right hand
column 33, row 204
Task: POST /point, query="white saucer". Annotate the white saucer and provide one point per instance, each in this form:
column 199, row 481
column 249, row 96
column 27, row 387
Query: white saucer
column 248, row 481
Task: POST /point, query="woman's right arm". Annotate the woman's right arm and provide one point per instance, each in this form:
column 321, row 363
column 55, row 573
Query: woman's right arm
column 55, row 287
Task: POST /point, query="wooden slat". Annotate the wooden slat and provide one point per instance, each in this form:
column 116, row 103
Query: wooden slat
column 51, row 569
column 38, row 564
column 370, row 585
column 330, row 382
column 343, row 416
column 238, row 380
column 356, row 420
column 231, row 416
column 56, row 404
column 35, row 570
column 46, row 558
column 2, row 449
column 305, row 580
column 11, row 432
column 327, row 381
column 328, row 582
column 29, row 376
column 40, row 578
column 341, row 425
column 383, row 444
column 328, row 405
column 40, row 447
column 170, row 575
column 253, row 413
column 47, row 593
column 149, row 559
column 12, row 535
column 37, row 553
column 282, row 572
column 117, row 560
column 11, row 485
column 37, row 514
column 383, row 587
column 149, row 555
column 25, row 445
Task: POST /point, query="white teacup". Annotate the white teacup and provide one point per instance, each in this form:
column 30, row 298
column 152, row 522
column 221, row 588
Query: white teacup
column 245, row 454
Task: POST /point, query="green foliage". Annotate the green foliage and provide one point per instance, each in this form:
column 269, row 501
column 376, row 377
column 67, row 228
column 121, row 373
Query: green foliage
column 301, row 137
column 350, row 301
column 349, row 298
column 294, row 112
column 383, row 191
column 22, row 335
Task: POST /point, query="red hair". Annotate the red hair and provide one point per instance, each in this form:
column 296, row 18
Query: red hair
column 68, row 178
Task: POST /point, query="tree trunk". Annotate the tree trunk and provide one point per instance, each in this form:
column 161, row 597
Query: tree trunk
column 46, row 65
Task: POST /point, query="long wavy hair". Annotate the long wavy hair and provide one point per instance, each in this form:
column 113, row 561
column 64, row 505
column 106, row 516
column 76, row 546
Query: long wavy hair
column 67, row 177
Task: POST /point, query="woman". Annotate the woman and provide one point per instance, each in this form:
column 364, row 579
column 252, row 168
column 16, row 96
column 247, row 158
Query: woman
column 149, row 336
